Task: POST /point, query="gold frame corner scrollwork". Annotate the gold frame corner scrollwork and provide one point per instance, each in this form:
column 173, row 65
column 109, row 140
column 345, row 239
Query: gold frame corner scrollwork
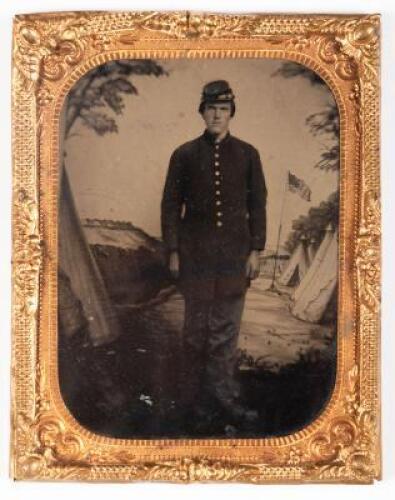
column 50, row 52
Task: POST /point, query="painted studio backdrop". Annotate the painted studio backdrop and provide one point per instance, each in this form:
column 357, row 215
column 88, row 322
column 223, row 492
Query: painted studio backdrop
column 120, row 311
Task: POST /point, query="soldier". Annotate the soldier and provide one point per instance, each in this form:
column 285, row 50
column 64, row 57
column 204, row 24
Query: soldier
column 213, row 216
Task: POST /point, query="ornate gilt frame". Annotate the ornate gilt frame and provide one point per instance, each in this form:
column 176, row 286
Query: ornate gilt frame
column 52, row 51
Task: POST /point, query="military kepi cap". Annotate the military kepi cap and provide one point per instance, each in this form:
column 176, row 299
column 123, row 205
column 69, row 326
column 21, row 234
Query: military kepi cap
column 217, row 91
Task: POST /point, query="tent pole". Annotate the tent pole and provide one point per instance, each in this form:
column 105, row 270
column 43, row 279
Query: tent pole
column 272, row 285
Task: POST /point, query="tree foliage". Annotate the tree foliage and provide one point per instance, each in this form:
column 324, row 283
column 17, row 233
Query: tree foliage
column 292, row 69
column 325, row 122
column 102, row 90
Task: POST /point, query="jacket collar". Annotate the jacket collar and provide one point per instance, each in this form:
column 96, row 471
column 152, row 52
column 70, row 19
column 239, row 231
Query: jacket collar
column 210, row 138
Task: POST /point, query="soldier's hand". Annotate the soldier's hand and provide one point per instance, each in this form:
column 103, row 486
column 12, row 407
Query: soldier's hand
column 174, row 264
column 253, row 265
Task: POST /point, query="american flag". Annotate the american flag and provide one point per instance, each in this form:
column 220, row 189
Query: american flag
column 298, row 186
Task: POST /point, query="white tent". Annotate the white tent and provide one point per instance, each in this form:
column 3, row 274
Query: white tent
column 315, row 264
column 320, row 283
column 296, row 267
column 311, row 251
column 78, row 264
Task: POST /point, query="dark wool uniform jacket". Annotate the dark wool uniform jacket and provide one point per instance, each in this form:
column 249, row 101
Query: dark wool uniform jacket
column 213, row 213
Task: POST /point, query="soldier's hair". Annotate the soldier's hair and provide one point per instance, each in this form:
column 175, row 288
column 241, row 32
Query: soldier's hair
column 232, row 108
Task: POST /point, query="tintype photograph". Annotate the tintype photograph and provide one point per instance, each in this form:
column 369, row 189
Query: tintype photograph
column 198, row 248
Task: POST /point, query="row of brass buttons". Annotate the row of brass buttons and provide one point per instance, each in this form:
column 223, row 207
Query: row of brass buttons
column 217, row 183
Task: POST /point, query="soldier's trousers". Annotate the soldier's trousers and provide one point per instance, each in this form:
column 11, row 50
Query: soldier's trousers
column 210, row 336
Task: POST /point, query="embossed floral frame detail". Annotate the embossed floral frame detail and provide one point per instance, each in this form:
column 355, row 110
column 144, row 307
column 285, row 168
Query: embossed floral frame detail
column 50, row 53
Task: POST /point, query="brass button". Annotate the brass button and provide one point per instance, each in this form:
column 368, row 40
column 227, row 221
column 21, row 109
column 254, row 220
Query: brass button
column 218, row 202
column 216, row 155
column 219, row 223
column 216, row 163
column 217, row 192
column 217, row 183
column 219, row 214
column 216, row 146
column 217, row 172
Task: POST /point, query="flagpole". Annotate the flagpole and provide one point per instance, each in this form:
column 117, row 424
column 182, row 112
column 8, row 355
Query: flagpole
column 286, row 188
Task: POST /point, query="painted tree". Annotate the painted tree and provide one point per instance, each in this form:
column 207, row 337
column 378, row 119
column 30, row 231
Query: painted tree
column 96, row 100
column 323, row 123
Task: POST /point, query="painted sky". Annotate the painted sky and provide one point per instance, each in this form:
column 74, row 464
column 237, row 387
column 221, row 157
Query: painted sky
column 121, row 176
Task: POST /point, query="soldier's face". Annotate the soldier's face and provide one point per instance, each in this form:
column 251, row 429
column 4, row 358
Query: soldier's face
column 217, row 117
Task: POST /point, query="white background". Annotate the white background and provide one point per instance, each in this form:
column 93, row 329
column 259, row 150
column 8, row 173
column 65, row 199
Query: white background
column 45, row 491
